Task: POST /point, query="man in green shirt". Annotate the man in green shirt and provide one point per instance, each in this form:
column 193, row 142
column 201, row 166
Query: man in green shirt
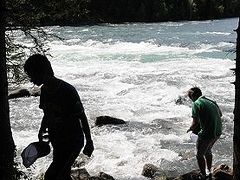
column 207, row 114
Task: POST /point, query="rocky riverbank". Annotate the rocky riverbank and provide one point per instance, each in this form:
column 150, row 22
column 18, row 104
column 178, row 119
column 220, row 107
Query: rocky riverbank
column 222, row 172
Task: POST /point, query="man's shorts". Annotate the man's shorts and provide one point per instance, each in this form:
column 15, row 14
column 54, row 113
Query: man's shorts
column 204, row 146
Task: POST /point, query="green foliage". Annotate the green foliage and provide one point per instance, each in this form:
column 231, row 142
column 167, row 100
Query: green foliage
column 17, row 51
column 22, row 22
column 78, row 12
column 163, row 10
column 24, row 19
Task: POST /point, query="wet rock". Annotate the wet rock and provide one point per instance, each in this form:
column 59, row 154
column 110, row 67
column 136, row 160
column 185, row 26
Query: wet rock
column 19, row 93
column 35, row 92
column 181, row 100
column 223, row 172
column 160, row 175
column 95, row 178
column 80, row 174
column 100, row 177
column 193, row 175
column 149, row 170
column 155, row 173
column 104, row 120
column 105, row 176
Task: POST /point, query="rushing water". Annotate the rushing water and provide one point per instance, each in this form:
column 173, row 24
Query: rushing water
column 137, row 72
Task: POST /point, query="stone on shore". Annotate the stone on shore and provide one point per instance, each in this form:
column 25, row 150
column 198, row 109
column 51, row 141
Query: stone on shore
column 101, row 176
column 35, row 92
column 18, row 93
column 221, row 172
column 82, row 174
column 104, row 120
column 152, row 171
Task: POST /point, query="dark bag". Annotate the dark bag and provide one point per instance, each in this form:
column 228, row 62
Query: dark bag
column 34, row 151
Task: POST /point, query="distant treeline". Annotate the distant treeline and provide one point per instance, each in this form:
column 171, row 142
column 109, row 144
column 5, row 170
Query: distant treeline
column 164, row 10
column 77, row 12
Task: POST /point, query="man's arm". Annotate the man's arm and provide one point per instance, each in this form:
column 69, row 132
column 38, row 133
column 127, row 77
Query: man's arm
column 88, row 149
column 85, row 126
column 43, row 128
column 220, row 112
column 79, row 110
column 195, row 123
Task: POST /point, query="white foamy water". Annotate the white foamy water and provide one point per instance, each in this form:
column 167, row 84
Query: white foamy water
column 137, row 72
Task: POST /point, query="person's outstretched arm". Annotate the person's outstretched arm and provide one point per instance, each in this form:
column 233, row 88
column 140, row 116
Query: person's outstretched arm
column 194, row 124
column 88, row 149
column 43, row 128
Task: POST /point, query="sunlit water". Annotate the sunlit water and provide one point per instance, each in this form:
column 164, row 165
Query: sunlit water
column 137, row 72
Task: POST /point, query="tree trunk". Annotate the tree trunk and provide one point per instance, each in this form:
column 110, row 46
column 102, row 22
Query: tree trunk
column 6, row 140
column 236, row 136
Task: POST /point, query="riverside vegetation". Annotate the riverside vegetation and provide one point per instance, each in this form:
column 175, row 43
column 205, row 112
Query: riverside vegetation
column 78, row 12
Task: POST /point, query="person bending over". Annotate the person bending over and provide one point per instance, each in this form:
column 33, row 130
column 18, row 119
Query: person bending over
column 64, row 119
column 206, row 112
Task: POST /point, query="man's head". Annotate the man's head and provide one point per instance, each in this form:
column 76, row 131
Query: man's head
column 38, row 68
column 194, row 93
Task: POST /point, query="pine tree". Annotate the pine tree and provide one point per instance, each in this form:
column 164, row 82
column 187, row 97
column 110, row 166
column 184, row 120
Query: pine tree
column 236, row 136
column 6, row 139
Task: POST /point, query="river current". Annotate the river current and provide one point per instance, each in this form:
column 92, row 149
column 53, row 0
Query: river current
column 139, row 72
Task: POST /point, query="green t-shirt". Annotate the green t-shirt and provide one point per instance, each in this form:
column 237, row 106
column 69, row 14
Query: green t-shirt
column 209, row 115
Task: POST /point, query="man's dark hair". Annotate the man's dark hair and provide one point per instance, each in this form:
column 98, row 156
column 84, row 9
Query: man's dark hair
column 194, row 92
column 38, row 64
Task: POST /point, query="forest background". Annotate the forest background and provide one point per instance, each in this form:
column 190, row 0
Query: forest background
column 80, row 12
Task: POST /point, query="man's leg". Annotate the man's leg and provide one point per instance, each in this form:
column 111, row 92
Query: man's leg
column 209, row 161
column 51, row 172
column 202, row 147
column 60, row 168
column 208, row 154
column 66, row 167
column 201, row 164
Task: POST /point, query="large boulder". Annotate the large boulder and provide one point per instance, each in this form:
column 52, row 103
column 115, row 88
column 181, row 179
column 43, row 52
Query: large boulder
column 19, row 93
column 82, row 174
column 153, row 172
column 102, row 176
column 35, row 91
column 193, row 175
column 223, row 172
column 104, row 120
column 149, row 170
column 181, row 100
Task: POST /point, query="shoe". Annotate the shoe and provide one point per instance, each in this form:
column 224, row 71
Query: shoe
column 202, row 176
column 209, row 176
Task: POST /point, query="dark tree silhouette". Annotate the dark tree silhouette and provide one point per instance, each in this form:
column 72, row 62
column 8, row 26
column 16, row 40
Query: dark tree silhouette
column 236, row 136
column 6, row 140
